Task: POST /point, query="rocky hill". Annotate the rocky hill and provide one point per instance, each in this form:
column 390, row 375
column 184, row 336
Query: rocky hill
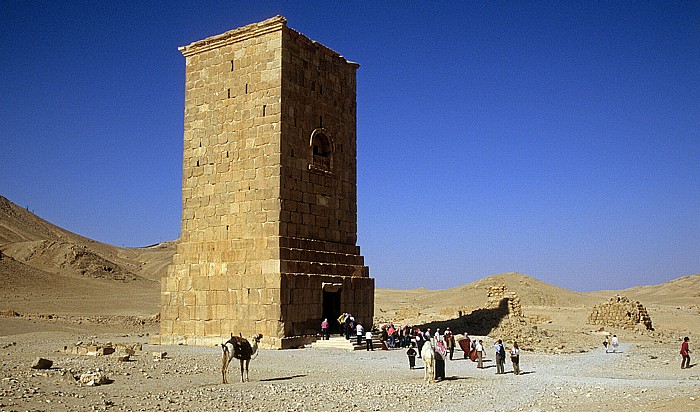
column 47, row 269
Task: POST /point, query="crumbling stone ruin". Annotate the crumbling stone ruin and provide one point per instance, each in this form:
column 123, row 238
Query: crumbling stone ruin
column 269, row 192
column 93, row 348
column 498, row 296
column 620, row 312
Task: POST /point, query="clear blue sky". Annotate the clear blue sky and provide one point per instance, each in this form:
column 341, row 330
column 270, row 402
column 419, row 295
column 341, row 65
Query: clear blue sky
column 557, row 140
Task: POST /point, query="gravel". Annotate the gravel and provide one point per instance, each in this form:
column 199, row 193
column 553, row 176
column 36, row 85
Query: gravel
column 644, row 376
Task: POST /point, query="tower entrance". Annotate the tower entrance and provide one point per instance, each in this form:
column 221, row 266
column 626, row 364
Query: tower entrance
column 331, row 306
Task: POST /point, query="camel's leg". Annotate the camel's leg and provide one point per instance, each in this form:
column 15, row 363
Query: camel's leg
column 247, row 363
column 242, row 380
column 224, row 366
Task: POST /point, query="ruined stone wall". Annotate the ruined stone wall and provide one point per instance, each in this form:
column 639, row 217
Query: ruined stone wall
column 620, row 312
column 496, row 296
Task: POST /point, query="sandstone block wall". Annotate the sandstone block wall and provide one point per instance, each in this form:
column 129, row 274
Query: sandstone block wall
column 269, row 191
column 497, row 294
column 620, row 312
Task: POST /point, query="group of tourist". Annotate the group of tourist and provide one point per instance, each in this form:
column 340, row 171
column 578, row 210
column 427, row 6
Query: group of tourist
column 349, row 327
column 474, row 350
column 443, row 342
column 393, row 337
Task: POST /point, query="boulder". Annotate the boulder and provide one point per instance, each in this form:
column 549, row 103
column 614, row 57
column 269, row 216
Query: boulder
column 41, row 363
column 93, row 378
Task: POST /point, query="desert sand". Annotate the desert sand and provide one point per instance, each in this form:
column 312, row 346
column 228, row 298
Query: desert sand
column 58, row 288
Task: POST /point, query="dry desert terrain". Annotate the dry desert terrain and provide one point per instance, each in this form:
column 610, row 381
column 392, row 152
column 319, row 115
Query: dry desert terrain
column 58, row 289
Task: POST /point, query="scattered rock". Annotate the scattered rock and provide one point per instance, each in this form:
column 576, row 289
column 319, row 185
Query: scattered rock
column 123, row 358
column 93, row 378
column 41, row 363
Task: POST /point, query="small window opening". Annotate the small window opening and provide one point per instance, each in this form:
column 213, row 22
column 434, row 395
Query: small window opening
column 229, row 93
column 231, row 65
column 321, row 150
column 198, row 163
column 320, row 121
column 264, row 108
column 246, row 88
column 321, row 90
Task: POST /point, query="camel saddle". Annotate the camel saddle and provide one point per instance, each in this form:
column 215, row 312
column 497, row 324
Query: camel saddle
column 241, row 347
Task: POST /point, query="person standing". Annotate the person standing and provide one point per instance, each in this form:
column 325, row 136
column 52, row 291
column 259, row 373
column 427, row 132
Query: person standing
column 500, row 357
column 614, row 343
column 411, row 357
column 440, row 355
column 419, row 341
column 685, row 353
column 450, row 342
column 469, row 345
column 368, row 340
column 324, row 330
column 480, row 354
column 515, row 358
column 390, row 334
column 341, row 321
column 360, row 333
column 348, row 325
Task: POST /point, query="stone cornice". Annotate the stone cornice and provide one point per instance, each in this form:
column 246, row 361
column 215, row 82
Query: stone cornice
column 233, row 36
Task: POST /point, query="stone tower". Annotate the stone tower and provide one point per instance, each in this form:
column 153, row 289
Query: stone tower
column 269, row 192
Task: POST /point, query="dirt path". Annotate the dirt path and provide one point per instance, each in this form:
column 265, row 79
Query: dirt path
column 642, row 377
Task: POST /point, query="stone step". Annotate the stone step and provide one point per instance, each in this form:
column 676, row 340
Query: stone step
column 338, row 343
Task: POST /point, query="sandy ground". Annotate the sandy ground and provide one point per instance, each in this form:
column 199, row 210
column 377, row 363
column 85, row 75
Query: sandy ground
column 643, row 376
column 58, row 288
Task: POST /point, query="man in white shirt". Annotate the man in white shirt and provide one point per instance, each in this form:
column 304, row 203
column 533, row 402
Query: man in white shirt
column 614, row 343
column 360, row 333
column 368, row 339
column 480, row 354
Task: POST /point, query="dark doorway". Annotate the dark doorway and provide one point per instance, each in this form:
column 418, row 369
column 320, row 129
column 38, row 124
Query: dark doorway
column 331, row 310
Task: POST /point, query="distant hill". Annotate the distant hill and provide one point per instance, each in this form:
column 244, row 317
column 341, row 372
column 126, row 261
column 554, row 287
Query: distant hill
column 48, row 269
column 681, row 291
column 418, row 305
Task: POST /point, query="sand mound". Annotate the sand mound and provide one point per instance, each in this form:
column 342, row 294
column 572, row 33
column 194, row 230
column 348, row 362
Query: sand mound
column 68, row 259
column 46, row 269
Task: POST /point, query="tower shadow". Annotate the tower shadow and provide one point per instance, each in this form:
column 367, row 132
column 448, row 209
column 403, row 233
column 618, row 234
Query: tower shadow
column 479, row 322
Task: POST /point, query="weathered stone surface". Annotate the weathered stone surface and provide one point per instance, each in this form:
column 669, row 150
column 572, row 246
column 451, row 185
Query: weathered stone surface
column 620, row 312
column 93, row 378
column 41, row 363
column 269, row 190
column 498, row 294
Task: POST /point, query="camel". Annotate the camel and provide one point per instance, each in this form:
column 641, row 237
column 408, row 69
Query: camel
column 239, row 348
column 427, row 353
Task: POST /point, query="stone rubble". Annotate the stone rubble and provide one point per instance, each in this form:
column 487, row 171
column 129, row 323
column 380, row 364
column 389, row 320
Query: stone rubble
column 620, row 312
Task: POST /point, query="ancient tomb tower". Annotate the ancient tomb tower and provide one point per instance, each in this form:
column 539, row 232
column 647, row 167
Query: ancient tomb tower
column 269, row 193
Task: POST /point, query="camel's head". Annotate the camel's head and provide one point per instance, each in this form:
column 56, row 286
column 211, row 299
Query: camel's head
column 257, row 337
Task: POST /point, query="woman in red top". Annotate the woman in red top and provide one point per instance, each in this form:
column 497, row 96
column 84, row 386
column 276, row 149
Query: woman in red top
column 685, row 352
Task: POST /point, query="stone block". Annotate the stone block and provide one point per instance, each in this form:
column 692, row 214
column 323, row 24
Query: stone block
column 200, row 283
column 218, row 283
